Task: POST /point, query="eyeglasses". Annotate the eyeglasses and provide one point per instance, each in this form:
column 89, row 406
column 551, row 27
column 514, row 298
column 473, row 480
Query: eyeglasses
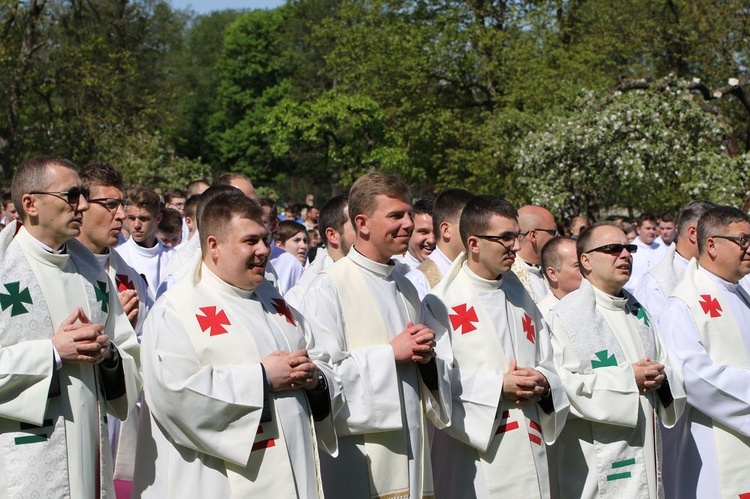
column 551, row 232
column 614, row 249
column 112, row 203
column 72, row 197
column 742, row 242
column 507, row 239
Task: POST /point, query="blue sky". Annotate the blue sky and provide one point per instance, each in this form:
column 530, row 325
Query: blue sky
column 204, row 6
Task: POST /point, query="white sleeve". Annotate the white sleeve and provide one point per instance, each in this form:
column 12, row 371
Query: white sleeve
column 604, row 395
column 720, row 391
column 214, row 410
column 369, row 399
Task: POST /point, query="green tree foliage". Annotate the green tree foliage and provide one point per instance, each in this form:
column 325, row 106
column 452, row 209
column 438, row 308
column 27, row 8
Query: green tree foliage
column 643, row 150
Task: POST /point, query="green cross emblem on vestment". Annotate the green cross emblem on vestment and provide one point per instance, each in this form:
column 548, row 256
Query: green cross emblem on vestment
column 641, row 314
column 102, row 295
column 604, row 360
column 15, row 298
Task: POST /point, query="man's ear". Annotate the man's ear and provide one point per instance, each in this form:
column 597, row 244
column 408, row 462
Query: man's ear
column 213, row 247
column 29, row 205
column 585, row 263
column 360, row 224
column 472, row 245
column 551, row 273
column 333, row 237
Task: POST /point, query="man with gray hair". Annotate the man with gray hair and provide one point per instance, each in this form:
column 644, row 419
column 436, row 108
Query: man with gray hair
column 657, row 284
column 68, row 352
column 706, row 327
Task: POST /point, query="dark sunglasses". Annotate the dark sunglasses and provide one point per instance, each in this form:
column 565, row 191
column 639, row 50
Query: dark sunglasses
column 72, row 197
column 614, row 249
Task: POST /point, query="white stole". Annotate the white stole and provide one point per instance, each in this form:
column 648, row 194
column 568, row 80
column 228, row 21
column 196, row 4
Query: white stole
column 388, row 460
column 477, row 346
column 220, row 336
column 721, row 337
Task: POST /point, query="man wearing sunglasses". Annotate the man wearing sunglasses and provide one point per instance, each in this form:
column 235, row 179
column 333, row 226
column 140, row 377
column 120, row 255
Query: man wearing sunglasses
column 538, row 227
column 507, row 400
column 617, row 376
column 68, row 353
column 706, row 327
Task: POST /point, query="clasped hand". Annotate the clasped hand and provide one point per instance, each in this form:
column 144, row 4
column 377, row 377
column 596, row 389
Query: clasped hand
column 79, row 340
column 524, row 385
column 290, row 371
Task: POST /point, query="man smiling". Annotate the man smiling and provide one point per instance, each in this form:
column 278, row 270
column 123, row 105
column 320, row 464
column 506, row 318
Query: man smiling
column 616, row 374
column 230, row 389
column 368, row 318
column 705, row 324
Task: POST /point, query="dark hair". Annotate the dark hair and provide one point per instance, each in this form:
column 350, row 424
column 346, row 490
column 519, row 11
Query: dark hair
column 101, row 175
column 551, row 254
column 287, row 230
column 478, row 212
column 363, row 194
column 715, row 221
column 422, row 207
column 447, row 207
column 191, row 207
column 34, row 175
column 221, row 208
column 7, row 198
column 173, row 194
column 691, row 212
column 209, row 194
column 171, row 221
column 332, row 215
column 645, row 217
column 271, row 204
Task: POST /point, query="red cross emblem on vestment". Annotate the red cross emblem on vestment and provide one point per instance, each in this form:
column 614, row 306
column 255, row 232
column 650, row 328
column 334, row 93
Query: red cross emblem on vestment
column 283, row 309
column 710, row 306
column 262, row 444
column 528, row 327
column 463, row 318
column 123, row 282
column 214, row 321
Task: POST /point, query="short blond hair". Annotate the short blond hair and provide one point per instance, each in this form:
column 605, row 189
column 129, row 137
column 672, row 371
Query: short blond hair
column 362, row 196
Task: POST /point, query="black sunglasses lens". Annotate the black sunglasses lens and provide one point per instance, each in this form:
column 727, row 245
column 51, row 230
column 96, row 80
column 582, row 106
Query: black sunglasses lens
column 74, row 195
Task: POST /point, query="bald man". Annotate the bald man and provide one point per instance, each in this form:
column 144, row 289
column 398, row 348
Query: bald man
column 538, row 227
column 561, row 271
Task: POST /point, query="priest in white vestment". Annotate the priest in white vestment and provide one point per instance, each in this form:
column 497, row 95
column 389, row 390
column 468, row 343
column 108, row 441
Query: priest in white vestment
column 508, row 402
column 231, row 393
column 650, row 252
column 657, row 284
column 446, row 215
column 617, row 375
column 369, row 319
column 706, row 326
column 100, row 230
column 538, row 226
column 69, row 354
column 560, row 270
column 338, row 236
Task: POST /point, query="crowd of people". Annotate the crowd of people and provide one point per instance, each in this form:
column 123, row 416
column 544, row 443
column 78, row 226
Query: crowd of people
column 206, row 343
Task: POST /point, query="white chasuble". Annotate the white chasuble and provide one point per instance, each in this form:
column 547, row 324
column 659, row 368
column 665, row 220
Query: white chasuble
column 610, row 444
column 493, row 446
column 356, row 307
column 705, row 326
column 53, row 428
column 204, row 392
